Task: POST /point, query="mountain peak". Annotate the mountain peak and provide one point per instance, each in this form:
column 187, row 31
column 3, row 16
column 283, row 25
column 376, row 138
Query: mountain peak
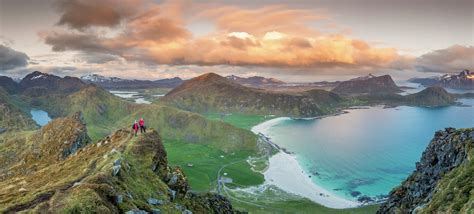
column 368, row 85
column 209, row 76
column 36, row 75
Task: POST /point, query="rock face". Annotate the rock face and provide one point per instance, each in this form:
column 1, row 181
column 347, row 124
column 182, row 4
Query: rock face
column 447, row 158
column 213, row 93
column 463, row 80
column 61, row 171
column 368, row 85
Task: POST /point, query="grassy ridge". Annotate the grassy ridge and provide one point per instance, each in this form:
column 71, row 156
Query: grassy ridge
column 13, row 115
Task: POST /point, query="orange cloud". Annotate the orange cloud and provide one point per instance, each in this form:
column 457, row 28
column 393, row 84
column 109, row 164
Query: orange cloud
column 271, row 36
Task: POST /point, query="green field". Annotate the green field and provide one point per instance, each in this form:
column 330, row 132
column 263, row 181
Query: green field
column 206, row 162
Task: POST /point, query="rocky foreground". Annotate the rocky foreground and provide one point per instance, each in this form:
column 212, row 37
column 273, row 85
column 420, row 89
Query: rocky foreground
column 58, row 169
column 443, row 181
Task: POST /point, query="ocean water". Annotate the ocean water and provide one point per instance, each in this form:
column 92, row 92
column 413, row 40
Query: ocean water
column 366, row 151
column 40, row 117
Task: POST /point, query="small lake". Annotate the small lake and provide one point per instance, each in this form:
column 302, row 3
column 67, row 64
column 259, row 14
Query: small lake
column 135, row 95
column 366, row 151
column 40, row 117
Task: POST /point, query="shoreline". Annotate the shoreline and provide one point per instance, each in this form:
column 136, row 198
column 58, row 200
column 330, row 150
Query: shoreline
column 285, row 172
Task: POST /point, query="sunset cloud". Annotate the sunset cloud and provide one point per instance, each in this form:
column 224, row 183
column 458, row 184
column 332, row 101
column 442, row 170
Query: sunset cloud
column 270, row 36
column 81, row 14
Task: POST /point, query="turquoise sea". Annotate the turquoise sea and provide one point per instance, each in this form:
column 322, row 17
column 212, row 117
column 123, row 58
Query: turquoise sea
column 366, row 151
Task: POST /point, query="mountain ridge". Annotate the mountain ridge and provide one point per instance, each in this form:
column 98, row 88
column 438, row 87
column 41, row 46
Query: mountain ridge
column 212, row 92
column 255, row 81
column 463, row 80
column 367, row 85
column 116, row 83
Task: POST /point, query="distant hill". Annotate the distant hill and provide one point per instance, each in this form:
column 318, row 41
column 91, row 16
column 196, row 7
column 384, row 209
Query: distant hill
column 443, row 179
column 255, row 81
column 429, row 97
column 463, row 80
column 211, row 92
column 368, row 85
column 9, row 85
column 59, row 169
column 115, row 83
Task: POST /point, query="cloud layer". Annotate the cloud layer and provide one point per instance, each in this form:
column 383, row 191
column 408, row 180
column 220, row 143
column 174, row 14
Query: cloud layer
column 449, row 60
column 11, row 59
column 269, row 36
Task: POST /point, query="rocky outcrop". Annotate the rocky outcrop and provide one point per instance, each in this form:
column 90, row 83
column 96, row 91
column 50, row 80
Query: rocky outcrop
column 62, row 137
column 61, row 171
column 450, row 149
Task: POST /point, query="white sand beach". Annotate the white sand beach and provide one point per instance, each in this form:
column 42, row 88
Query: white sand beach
column 285, row 172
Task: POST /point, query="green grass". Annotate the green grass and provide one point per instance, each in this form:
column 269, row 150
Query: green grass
column 243, row 121
column 207, row 161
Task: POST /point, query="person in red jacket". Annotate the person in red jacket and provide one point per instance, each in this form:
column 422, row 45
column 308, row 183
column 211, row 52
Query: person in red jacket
column 135, row 127
column 142, row 125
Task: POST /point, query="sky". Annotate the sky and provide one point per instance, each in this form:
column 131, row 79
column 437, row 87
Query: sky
column 299, row 40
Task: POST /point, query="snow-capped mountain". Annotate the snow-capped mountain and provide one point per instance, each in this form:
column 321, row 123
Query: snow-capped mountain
column 95, row 78
column 119, row 83
column 463, row 80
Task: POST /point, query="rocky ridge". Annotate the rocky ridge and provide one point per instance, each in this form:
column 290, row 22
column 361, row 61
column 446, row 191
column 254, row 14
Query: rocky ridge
column 61, row 170
column 442, row 181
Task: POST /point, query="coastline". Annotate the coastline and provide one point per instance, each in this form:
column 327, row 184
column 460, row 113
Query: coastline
column 285, row 172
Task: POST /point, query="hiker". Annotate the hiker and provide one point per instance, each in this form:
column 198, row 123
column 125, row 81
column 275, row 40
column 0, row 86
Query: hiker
column 135, row 127
column 142, row 125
